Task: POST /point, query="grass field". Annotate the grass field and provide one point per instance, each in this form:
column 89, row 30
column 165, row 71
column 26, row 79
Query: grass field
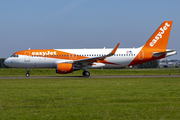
column 94, row 72
column 90, row 98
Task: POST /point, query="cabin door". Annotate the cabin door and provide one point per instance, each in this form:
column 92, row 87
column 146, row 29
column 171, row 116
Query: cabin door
column 27, row 57
column 141, row 55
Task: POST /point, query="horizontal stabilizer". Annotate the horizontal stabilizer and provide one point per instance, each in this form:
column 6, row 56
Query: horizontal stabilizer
column 167, row 53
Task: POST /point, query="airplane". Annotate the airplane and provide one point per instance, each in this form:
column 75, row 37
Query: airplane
column 68, row 60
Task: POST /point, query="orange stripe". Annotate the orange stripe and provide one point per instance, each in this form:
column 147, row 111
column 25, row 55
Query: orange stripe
column 51, row 54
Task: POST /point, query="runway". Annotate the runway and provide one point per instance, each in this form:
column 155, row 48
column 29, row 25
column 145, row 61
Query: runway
column 60, row 77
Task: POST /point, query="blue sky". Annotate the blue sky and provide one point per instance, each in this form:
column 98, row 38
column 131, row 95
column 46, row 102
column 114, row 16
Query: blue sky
column 44, row 24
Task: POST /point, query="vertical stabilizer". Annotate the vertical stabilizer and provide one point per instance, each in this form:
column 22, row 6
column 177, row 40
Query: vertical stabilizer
column 159, row 39
column 155, row 47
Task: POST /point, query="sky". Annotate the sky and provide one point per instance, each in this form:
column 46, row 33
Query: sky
column 69, row 24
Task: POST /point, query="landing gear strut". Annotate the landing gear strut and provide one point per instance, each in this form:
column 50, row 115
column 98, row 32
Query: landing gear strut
column 86, row 73
column 27, row 74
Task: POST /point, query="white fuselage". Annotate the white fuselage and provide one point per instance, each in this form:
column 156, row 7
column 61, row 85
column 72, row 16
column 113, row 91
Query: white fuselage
column 122, row 57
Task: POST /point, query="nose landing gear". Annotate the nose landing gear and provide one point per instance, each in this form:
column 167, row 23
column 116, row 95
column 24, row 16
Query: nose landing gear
column 27, row 74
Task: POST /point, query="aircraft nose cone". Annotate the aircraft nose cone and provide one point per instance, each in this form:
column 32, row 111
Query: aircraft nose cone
column 7, row 62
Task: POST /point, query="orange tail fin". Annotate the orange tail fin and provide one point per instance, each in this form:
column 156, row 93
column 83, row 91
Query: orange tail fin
column 155, row 47
column 159, row 39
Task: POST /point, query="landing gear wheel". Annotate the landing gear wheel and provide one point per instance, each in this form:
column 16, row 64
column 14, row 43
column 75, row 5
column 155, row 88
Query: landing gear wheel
column 27, row 75
column 86, row 73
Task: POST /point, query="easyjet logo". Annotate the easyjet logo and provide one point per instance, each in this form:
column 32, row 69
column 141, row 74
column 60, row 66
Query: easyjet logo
column 159, row 35
column 44, row 53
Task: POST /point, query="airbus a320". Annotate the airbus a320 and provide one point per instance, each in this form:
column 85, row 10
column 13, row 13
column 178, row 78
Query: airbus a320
column 68, row 60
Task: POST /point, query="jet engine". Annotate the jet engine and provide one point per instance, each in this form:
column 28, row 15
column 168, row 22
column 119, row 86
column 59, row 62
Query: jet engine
column 64, row 68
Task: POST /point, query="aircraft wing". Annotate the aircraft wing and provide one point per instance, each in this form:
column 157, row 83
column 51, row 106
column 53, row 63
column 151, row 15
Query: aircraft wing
column 95, row 59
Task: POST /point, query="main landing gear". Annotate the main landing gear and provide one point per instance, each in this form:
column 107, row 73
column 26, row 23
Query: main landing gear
column 27, row 74
column 86, row 73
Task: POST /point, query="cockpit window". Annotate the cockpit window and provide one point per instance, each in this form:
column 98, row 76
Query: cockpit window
column 14, row 55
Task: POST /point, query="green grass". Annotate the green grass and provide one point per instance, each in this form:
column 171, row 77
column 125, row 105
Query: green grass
column 90, row 98
column 94, row 72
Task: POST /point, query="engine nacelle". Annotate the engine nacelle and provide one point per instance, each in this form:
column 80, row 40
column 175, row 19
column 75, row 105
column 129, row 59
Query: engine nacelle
column 64, row 68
